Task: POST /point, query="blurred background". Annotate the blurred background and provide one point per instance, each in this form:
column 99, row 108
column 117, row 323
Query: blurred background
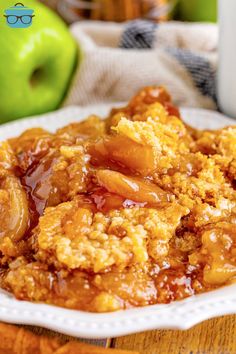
column 124, row 10
column 106, row 52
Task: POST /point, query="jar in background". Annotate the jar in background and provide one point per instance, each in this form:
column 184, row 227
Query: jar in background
column 115, row 10
column 227, row 57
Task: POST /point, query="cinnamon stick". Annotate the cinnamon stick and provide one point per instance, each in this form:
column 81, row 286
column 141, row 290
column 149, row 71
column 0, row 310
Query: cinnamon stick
column 16, row 340
column 96, row 12
column 82, row 348
column 128, row 9
column 109, row 10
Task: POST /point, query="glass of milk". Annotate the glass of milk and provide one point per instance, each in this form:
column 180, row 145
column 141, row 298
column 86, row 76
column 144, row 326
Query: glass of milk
column 227, row 57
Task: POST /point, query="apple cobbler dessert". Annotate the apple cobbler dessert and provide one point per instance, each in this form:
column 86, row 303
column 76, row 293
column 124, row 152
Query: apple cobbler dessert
column 133, row 210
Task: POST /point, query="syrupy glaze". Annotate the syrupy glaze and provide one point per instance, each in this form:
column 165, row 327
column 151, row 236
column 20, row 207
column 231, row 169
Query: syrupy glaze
column 37, row 184
column 133, row 210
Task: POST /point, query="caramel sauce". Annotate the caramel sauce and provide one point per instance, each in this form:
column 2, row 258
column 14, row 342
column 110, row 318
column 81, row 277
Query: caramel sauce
column 105, row 201
column 36, row 181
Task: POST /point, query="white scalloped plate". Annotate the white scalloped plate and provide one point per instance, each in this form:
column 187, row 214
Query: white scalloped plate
column 177, row 315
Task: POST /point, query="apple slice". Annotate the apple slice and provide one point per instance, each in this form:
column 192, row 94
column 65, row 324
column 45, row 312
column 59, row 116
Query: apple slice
column 14, row 214
column 132, row 188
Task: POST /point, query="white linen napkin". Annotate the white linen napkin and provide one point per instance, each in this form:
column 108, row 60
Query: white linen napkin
column 180, row 56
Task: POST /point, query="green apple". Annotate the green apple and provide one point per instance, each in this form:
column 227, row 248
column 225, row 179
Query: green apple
column 198, row 10
column 36, row 63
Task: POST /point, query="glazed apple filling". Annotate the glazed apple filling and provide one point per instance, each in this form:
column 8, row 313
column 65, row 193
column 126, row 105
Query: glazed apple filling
column 133, row 210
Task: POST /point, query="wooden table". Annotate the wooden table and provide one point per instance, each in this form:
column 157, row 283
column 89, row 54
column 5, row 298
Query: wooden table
column 217, row 336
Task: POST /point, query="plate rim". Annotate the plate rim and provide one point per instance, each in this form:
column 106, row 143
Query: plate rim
column 178, row 315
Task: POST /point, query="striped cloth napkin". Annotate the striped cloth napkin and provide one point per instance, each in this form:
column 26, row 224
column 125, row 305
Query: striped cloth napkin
column 118, row 59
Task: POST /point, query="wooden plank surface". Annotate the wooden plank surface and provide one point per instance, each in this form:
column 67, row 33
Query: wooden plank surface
column 216, row 336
